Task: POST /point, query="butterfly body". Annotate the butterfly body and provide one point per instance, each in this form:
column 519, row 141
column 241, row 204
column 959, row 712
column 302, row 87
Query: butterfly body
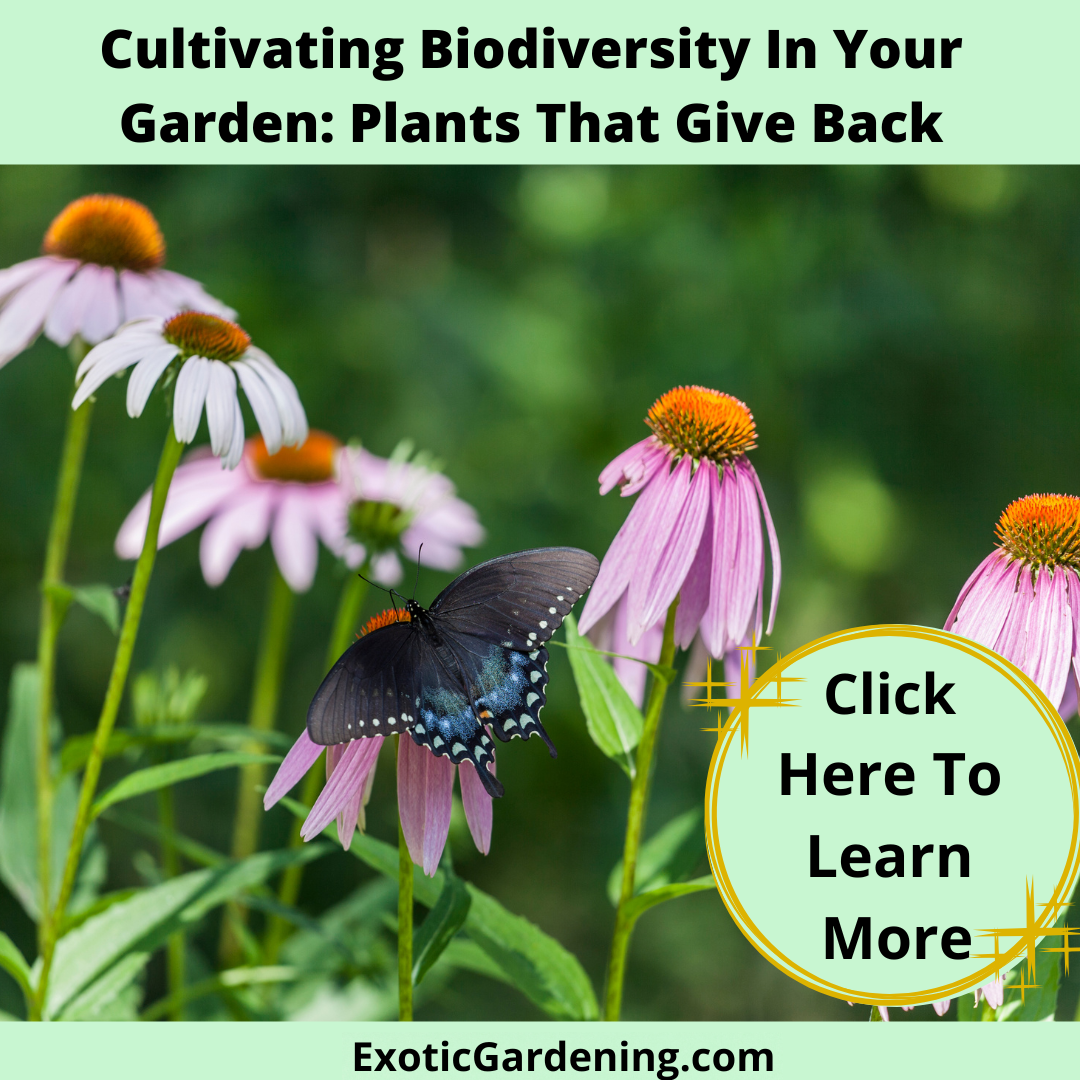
column 473, row 662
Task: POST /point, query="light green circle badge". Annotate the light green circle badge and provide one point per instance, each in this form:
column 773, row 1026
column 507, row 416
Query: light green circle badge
column 892, row 814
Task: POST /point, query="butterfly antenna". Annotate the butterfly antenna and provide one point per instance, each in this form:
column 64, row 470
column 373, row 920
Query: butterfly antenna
column 416, row 580
column 382, row 588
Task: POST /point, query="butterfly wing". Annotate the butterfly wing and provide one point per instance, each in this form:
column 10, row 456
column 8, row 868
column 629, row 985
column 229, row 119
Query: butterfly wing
column 371, row 690
column 517, row 601
column 506, row 686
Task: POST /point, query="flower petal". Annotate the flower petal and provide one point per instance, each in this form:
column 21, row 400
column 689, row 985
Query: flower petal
column 220, row 401
column 145, row 376
column 14, row 277
column 620, row 562
column 477, row 803
column 23, row 315
column 192, row 385
column 293, row 539
column 244, row 523
column 694, row 593
column 425, row 799
column 666, row 561
column 351, row 773
column 635, row 467
column 183, row 292
column 103, row 362
column 293, row 769
column 263, row 404
column 294, row 427
column 66, row 314
column 102, row 314
column 774, row 544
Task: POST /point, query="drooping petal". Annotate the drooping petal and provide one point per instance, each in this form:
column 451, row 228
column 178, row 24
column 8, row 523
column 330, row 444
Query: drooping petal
column 386, row 569
column 984, row 601
column 694, row 594
column 425, row 799
column 477, row 803
column 942, row 1007
column 243, row 523
column 612, row 635
column 144, row 378
column 186, row 293
column 14, row 277
column 667, row 559
column 231, row 458
column 102, row 314
column 351, row 773
column 726, row 524
column 745, row 592
column 294, row 428
column 262, row 403
column 66, row 314
column 994, row 992
column 620, row 562
column 22, row 316
column 192, row 384
column 293, row 769
column 293, row 539
column 1048, row 649
column 220, row 401
column 774, row 544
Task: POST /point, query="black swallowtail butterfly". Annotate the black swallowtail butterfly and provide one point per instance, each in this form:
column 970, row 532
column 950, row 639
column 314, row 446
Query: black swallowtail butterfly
column 475, row 659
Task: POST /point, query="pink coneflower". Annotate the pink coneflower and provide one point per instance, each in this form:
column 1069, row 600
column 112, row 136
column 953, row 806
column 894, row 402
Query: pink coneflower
column 292, row 496
column 206, row 355
column 695, row 531
column 1023, row 600
column 397, row 505
column 101, row 267
column 425, row 786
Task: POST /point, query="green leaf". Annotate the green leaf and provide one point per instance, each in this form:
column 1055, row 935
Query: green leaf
column 232, row 979
column 143, row 923
column 172, row 772
column 18, row 808
column 643, row 901
column 99, row 600
column 669, row 855
column 111, row 996
column 13, row 962
column 443, row 921
column 613, row 721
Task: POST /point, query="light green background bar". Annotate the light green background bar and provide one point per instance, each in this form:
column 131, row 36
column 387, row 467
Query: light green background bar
column 1009, row 97
column 326, row 1051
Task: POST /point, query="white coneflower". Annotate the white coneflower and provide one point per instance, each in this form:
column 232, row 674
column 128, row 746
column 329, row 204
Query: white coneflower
column 101, row 267
column 208, row 354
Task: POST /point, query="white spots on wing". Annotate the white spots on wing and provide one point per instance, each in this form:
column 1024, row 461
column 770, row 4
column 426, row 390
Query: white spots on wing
column 532, row 636
column 532, row 698
column 361, row 723
column 534, row 655
column 375, row 723
column 390, row 720
column 480, row 752
column 350, row 727
column 457, row 748
column 420, row 729
column 436, row 742
column 543, row 624
column 535, row 676
column 554, row 610
column 525, row 719
column 511, row 723
column 560, row 598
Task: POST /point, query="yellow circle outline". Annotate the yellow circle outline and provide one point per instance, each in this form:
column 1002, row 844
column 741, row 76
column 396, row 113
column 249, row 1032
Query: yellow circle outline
column 727, row 892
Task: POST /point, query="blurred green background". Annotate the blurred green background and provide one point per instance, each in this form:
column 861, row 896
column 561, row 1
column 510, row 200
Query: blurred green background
column 908, row 342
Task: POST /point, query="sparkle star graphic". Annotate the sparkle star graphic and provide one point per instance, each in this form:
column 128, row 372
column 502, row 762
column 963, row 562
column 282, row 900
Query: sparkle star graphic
column 740, row 706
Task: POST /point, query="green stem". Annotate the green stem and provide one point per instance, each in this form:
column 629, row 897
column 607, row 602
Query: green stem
column 341, row 637
column 170, row 865
column 269, row 670
column 170, row 457
column 405, row 921
column 53, row 608
column 635, row 820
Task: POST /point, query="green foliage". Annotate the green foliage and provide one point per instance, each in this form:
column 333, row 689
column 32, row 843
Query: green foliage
column 14, row 963
column 545, row 972
column 443, row 922
column 667, row 856
column 173, row 772
column 167, row 698
column 18, row 808
column 1041, row 1002
column 614, row 722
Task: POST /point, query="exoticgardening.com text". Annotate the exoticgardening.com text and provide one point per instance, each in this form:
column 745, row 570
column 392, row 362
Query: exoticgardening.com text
column 490, row 1057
